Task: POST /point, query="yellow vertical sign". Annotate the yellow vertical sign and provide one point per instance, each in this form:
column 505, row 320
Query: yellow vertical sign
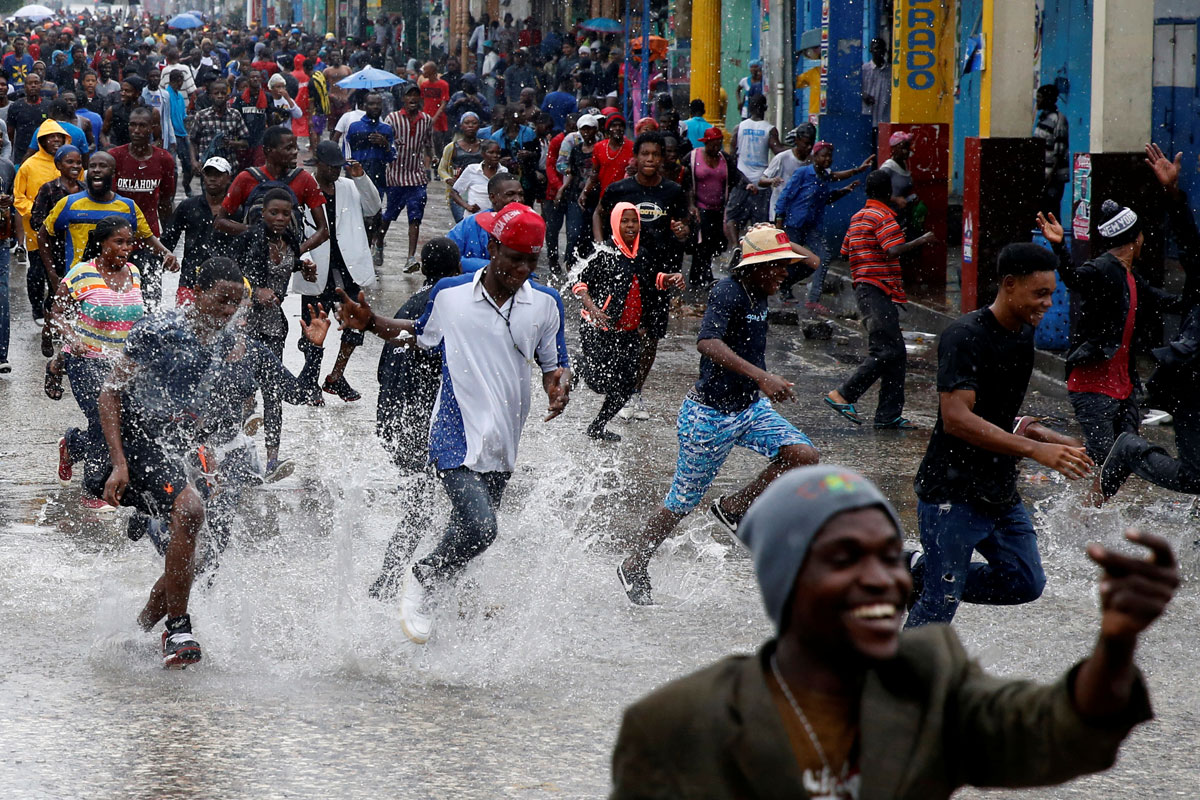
column 923, row 63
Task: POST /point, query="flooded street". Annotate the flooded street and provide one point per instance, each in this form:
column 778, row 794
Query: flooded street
column 308, row 687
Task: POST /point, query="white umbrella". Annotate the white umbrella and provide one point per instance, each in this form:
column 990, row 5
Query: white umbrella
column 34, row 12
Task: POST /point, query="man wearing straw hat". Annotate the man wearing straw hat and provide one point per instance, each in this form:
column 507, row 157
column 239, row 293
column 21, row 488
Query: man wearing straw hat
column 731, row 402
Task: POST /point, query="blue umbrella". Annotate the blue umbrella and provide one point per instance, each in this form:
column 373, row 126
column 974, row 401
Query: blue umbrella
column 370, row 78
column 602, row 25
column 185, row 21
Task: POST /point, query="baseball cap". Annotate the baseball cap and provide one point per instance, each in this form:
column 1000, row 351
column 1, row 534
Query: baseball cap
column 712, row 135
column 586, row 121
column 330, row 154
column 899, row 137
column 585, row 50
column 218, row 163
column 515, row 226
column 763, row 244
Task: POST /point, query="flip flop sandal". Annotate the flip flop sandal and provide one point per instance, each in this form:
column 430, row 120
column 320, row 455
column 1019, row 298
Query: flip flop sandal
column 846, row 410
column 53, row 385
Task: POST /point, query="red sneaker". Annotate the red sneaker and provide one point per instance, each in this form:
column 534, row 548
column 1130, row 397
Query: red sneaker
column 65, row 468
column 95, row 504
column 179, row 650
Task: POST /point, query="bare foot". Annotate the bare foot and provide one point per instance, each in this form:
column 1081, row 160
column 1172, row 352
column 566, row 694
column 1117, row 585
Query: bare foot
column 836, row 397
column 1096, row 494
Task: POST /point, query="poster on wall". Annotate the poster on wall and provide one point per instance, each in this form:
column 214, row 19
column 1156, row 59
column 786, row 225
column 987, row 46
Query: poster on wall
column 1081, row 218
column 824, row 53
column 437, row 23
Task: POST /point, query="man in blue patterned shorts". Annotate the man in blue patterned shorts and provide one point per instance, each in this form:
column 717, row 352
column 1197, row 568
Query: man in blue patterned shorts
column 724, row 409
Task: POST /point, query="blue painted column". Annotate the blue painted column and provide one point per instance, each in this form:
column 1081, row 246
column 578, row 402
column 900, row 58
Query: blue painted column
column 842, row 121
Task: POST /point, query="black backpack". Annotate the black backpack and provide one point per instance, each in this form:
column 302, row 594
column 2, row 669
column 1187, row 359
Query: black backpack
column 252, row 207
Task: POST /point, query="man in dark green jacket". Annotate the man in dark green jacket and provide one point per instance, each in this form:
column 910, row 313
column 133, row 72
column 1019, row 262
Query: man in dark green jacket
column 842, row 706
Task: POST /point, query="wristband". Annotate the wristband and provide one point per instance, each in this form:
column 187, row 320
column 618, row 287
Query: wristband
column 1023, row 423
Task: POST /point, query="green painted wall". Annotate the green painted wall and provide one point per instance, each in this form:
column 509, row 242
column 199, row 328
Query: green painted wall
column 735, row 52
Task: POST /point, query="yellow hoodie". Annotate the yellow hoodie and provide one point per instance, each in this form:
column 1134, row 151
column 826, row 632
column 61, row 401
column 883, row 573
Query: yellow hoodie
column 38, row 169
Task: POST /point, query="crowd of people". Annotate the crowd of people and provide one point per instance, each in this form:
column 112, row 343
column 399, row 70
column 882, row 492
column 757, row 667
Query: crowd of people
column 105, row 124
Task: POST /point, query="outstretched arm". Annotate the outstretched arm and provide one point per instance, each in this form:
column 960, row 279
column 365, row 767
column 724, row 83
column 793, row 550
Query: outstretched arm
column 357, row 314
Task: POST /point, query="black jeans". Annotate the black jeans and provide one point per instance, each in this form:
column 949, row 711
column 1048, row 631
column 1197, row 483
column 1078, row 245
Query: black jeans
column 40, row 299
column 710, row 242
column 272, row 392
column 886, row 357
column 1180, row 474
column 1103, row 419
column 474, row 500
column 556, row 216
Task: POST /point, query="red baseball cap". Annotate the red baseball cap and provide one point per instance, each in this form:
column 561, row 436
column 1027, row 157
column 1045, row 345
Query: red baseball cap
column 515, row 226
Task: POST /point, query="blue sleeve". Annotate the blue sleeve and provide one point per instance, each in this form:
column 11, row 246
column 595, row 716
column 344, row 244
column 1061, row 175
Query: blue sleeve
column 789, row 191
column 470, row 264
column 455, row 235
column 420, row 324
column 722, row 303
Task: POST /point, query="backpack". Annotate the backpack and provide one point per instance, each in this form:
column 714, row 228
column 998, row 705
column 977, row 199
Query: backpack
column 252, row 207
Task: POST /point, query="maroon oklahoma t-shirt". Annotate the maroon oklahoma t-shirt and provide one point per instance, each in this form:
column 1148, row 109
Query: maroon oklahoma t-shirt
column 144, row 182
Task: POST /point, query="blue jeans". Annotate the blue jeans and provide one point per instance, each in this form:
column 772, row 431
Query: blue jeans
column 474, row 500
column 579, row 232
column 5, row 260
column 950, row 532
column 457, row 212
column 87, row 379
column 555, row 215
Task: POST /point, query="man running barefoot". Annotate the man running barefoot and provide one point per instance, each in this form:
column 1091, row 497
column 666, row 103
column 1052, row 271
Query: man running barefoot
column 724, row 408
column 495, row 325
column 151, row 411
column 966, row 485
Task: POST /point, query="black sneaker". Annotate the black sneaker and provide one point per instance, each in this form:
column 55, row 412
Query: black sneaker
column 636, row 585
column 179, row 650
column 1118, row 464
column 602, row 434
column 724, row 517
column 342, row 388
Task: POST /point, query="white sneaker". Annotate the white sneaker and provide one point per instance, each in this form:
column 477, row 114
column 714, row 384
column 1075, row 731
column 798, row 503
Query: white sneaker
column 639, row 408
column 416, row 610
column 626, row 412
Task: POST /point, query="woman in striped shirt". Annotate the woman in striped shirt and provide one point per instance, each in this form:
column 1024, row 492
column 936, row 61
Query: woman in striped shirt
column 97, row 303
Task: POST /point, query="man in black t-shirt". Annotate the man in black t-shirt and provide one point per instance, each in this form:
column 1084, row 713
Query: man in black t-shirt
column 966, row 485
column 724, row 409
column 662, row 206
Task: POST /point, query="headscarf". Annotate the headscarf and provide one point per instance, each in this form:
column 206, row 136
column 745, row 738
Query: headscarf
column 614, row 221
column 466, row 115
column 822, row 145
column 65, row 151
column 645, row 124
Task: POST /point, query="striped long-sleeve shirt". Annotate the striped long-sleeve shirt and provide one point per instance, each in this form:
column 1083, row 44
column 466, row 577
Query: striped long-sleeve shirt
column 873, row 231
column 412, row 144
column 1051, row 128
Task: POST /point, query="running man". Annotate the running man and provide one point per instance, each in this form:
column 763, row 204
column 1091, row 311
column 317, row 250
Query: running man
column 152, row 411
column 966, row 486
column 725, row 408
column 494, row 316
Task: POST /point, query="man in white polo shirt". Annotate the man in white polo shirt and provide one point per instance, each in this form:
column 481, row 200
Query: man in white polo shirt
column 495, row 326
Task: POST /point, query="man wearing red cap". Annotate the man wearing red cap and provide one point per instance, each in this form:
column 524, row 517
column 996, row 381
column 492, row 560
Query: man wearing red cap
column 498, row 318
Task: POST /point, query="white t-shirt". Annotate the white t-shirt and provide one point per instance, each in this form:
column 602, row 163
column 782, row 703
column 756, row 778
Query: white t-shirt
column 753, row 147
column 189, row 80
column 782, row 166
column 344, row 123
column 472, row 185
column 488, row 357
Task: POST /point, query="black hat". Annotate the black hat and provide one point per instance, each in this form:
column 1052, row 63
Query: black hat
column 1118, row 226
column 330, row 154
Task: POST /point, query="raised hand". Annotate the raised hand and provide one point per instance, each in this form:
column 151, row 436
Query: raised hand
column 1134, row 592
column 356, row 314
column 1050, row 227
column 316, row 329
column 1165, row 170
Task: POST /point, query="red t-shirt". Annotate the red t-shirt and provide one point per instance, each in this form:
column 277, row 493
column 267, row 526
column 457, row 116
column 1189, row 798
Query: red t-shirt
column 1111, row 376
column 610, row 163
column 144, row 182
column 436, row 93
column 304, row 186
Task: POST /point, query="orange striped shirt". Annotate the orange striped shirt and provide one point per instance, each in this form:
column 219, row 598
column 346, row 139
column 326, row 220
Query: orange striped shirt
column 873, row 231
